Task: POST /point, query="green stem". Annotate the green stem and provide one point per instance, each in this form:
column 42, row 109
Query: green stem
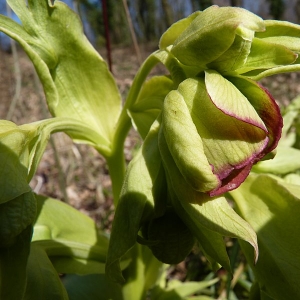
column 117, row 167
column 275, row 71
column 72, row 126
column 116, row 160
column 233, row 259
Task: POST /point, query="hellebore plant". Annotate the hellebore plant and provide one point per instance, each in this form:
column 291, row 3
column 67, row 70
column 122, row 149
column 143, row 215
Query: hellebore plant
column 204, row 126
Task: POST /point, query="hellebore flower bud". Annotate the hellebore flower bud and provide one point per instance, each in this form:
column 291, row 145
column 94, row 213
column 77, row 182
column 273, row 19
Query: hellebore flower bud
column 230, row 40
column 222, row 35
column 216, row 130
column 164, row 233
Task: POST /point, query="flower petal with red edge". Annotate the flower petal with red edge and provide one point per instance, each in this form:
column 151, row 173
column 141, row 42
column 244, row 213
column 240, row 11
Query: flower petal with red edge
column 229, row 142
column 266, row 107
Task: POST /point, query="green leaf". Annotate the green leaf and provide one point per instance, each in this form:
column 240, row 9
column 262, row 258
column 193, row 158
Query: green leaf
column 200, row 298
column 153, row 268
column 288, row 137
column 22, row 147
column 181, row 290
column 76, row 80
column 142, row 185
column 91, row 287
column 292, row 179
column 13, row 261
column 43, row 281
column 69, row 237
column 15, row 216
column 273, row 208
column 286, row 160
column 40, row 133
column 138, row 277
column 13, row 159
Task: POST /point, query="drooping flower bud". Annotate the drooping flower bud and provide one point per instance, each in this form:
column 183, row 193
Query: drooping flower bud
column 230, row 40
column 223, row 34
column 216, row 132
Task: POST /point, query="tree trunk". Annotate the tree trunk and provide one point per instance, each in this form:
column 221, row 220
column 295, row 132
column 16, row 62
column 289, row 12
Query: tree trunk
column 168, row 12
column 297, row 10
column 235, row 3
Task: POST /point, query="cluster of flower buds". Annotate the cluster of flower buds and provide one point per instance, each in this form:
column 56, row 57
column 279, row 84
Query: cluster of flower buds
column 213, row 123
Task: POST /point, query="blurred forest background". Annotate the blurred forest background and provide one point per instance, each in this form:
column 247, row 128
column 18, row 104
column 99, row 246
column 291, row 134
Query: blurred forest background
column 150, row 18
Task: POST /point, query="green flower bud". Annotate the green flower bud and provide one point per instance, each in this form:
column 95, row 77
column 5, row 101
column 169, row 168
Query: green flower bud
column 218, row 34
column 216, row 130
column 169, row 238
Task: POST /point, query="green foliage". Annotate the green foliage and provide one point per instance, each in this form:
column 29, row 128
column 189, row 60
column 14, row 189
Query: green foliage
column 204, row 126
column 273, row 213
column 70, row 81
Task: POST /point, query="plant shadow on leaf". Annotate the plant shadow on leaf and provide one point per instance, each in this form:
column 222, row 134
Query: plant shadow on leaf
column 83, row 287
column 72, row 243
column 13, row 262
column 272, row 208
column 17, row 213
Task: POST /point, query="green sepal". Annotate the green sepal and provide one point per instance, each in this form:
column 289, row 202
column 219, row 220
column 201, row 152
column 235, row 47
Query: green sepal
column 234, row 58
column 281, row 32
column 149, row 103
column 185, row 144
column 266, row 55
column 212, row 33
column 15, row 216
column 201, row 115
column 169, row 37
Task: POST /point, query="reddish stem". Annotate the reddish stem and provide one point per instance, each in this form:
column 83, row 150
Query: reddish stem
column 106, row 32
